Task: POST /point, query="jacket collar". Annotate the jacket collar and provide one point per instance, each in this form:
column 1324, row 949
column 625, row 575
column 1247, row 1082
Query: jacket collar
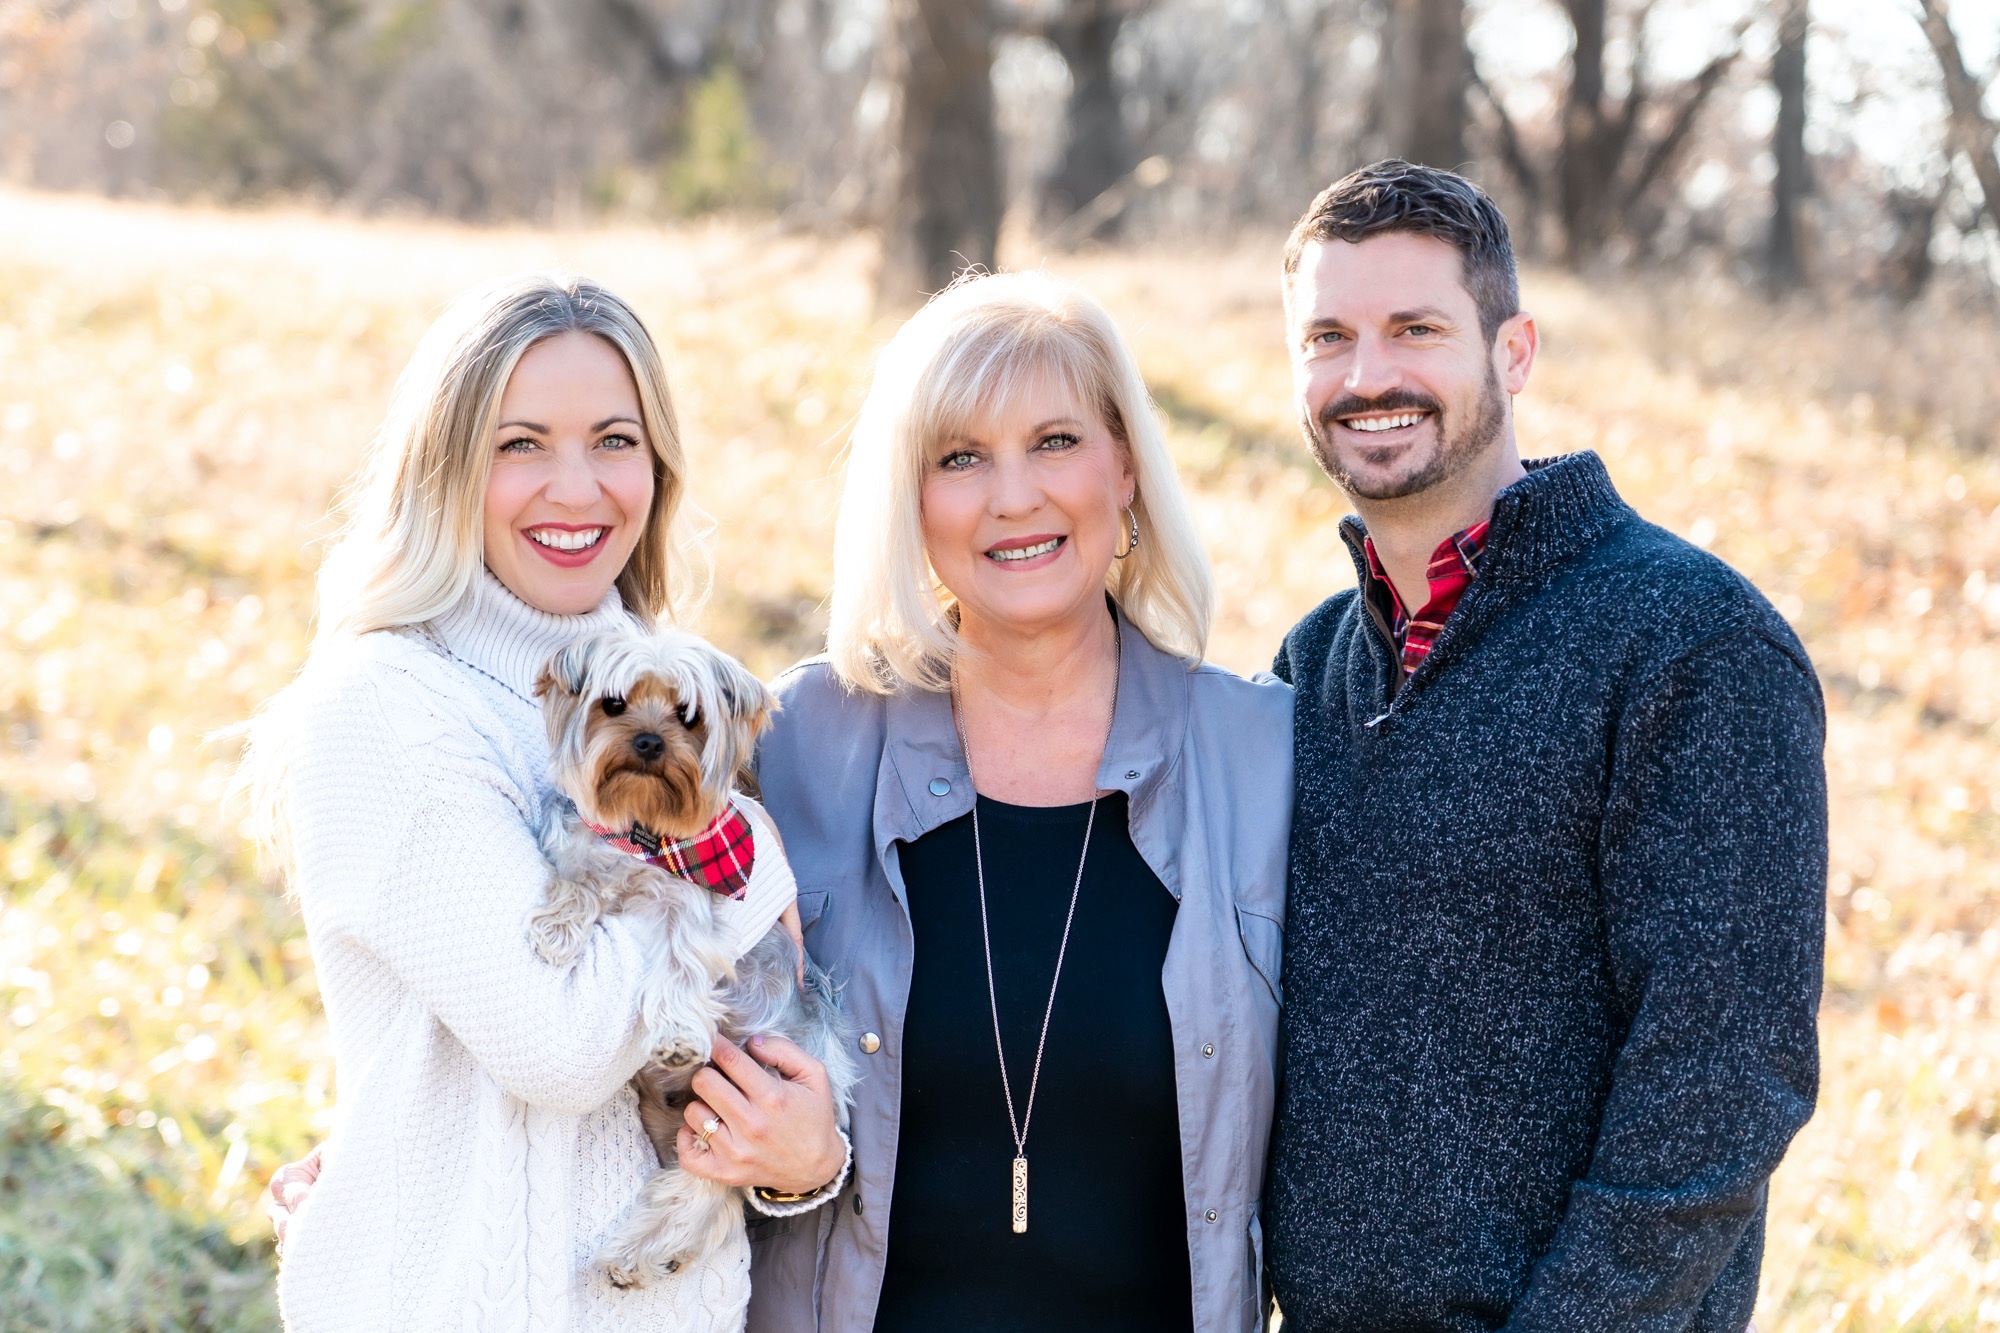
column 922, row 752
column 1565, row 505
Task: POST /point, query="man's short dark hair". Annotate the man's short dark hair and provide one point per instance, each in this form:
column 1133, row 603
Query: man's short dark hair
column 1398, row 196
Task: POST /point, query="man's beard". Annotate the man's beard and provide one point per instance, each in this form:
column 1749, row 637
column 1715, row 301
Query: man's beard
column 1454, row 448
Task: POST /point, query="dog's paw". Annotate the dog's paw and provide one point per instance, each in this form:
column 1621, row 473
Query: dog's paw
column 636, row 1257
column 682, row 1050
column 625, row 1274
column 556, row 937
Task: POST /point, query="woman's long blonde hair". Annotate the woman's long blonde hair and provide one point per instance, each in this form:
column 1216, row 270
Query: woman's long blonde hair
column 414, row 545
column 958, row 361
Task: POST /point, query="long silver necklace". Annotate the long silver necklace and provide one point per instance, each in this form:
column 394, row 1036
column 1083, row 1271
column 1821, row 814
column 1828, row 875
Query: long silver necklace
column 1019, row 1127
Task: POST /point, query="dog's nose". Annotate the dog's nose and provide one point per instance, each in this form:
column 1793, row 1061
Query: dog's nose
column 648, row 746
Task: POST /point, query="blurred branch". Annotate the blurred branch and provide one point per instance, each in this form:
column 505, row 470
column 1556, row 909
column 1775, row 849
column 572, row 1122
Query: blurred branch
column 1621, row 127
column 1512, row 154
column 1971, row 129
column 1109, row 204
column 1661, row 156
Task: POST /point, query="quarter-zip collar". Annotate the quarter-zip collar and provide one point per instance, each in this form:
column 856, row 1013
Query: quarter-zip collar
column 925, row 782
column 1563, row 507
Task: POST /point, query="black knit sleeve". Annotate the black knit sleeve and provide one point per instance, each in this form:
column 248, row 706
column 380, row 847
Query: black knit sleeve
column 1713, row 871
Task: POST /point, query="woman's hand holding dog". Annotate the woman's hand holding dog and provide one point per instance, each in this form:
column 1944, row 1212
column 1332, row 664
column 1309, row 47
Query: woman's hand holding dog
column 777, row 1123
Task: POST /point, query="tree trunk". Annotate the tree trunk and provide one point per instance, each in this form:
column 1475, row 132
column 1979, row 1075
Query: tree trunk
column 1907, row 267
column 944, row 207
column 1097, row 152
column 1426, row 73
column 1788, row 148
column 1583, row 175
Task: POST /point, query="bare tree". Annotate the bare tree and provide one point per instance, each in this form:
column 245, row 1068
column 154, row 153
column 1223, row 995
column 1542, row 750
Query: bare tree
column 1607, row 163
column 1097, row 151
column 1425, row 74
column 1971, row 132
column 945, row 200
column 1590, row 146
column 1788, row 148
column 1907, row 266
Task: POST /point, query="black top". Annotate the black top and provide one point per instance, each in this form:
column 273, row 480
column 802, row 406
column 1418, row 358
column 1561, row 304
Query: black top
column 1552, row 949
column 1106, row 1247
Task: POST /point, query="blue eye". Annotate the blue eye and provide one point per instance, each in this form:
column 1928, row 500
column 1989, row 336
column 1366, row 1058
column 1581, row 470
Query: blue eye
column 520, row 445
column 958, row 460
column 619, row 442
column 1060, row 440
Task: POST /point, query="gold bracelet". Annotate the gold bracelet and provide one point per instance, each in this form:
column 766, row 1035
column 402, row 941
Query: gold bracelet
column 779, row 1196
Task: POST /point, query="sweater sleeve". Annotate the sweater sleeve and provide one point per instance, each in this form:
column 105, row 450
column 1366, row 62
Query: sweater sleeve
column 414, row 844
column 1712, row 865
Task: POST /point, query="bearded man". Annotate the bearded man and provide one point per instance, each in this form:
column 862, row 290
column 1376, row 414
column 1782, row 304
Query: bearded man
column 1556, row 914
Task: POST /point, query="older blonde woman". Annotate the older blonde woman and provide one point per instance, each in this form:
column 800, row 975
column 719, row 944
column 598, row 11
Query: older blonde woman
column 524, row 491
column 1043, row 847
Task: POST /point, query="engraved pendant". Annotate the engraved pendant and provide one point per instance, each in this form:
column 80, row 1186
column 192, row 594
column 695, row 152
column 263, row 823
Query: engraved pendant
column 1020, row 1195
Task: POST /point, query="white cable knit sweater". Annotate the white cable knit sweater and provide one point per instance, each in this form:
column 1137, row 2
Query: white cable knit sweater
column 485, row 1141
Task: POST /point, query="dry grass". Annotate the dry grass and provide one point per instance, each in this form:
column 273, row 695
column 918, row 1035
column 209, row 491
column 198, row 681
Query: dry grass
column 181, row 392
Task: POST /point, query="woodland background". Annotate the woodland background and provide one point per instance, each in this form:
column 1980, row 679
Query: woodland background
column 1761, row 240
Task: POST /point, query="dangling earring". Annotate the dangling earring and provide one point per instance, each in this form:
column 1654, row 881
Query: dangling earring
column 1131, row 535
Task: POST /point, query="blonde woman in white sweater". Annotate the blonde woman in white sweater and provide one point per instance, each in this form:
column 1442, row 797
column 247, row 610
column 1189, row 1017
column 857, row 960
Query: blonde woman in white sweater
column 526, row 489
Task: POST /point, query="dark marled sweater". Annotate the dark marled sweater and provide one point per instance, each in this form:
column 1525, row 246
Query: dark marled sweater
column 1555, row 929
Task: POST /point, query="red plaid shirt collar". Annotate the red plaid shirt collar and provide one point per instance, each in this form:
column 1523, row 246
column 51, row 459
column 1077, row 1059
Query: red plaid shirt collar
column 718, row 858
column 1451, row 570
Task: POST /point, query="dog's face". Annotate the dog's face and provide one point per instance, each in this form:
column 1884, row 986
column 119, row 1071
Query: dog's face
column 650, row 729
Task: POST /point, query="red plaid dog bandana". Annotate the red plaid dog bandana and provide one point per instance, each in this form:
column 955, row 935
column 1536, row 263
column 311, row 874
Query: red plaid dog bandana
column 718, row 858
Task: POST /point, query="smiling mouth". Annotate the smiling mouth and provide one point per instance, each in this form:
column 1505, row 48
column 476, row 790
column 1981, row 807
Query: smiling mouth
column 556, row 539
column 1009, row 555
column 1379, row 424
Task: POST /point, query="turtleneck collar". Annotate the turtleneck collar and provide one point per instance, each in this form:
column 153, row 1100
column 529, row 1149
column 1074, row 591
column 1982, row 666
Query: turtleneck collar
column 1564, row 505
column 498, row 634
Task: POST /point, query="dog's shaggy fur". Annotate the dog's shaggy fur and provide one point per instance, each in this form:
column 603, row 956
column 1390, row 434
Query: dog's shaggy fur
column 648, row 734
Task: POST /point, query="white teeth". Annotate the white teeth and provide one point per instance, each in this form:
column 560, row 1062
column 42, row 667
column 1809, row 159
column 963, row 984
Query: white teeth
column 557, row 540
column 1026, row 552
column 1372, row 424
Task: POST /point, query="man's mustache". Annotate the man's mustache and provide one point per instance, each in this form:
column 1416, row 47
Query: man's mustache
column 1396, row 400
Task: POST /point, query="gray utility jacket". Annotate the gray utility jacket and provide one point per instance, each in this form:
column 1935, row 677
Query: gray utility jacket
column 1205, row 758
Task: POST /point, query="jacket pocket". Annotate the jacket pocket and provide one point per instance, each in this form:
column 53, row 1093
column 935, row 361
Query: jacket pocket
column 1264, row 944
column 812, row 906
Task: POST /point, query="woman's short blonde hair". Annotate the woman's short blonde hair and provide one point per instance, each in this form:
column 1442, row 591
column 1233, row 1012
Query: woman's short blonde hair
column 415, row 543
column 959, row 361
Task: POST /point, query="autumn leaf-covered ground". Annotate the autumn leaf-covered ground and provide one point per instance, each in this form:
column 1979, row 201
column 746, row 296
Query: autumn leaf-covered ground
column 182, row 392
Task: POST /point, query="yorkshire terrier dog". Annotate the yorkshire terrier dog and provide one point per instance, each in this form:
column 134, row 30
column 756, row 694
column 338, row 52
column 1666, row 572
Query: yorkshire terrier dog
column 648, row 734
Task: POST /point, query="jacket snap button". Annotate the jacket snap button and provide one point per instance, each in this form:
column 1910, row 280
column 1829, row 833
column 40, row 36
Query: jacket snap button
column 1210, row 1214
column 1208, row 1050
column 857, row 1205
column 870, row 1043
column 939, row 787
column 1131, row 772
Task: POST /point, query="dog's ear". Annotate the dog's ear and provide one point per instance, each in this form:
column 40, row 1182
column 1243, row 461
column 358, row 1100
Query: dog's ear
column 567, row 670
column 560, row 689
column 748, row 699
column 740, row 708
